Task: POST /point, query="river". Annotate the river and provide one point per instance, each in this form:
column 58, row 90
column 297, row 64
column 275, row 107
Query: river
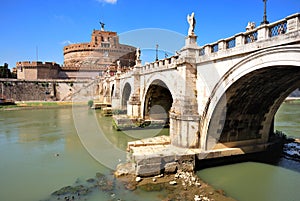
column 251, row 181
column 41, row 151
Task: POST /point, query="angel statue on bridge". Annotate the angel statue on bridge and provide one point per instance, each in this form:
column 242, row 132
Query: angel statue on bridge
column 192, row 22
column 138, row 54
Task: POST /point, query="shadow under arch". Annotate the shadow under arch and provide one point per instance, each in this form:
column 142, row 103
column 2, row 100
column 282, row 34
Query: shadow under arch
column 125, row 95
column 158, row 101
column 112, row 91
column 248, row 97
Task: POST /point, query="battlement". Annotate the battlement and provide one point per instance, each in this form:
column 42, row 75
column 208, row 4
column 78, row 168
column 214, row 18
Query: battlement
column 80, row 47
column 93, row 47
column 25, row 64
column 104, row 33
column 99, row 39
column 27, row 70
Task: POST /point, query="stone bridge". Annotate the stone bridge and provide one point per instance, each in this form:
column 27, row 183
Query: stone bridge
column 221, row 96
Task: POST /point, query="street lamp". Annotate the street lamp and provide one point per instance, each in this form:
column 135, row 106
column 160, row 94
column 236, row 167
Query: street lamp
column 156, row 52
column 265, row 21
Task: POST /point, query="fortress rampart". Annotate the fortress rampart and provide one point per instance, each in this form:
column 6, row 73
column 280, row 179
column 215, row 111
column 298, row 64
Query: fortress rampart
column 37, row 70
column 40, row 90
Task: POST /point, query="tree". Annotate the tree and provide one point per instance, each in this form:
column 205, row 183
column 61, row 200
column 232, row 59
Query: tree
column 5, row 71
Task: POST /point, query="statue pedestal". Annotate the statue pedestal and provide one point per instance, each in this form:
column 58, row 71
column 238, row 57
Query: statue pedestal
column 191, row 40
column 190, row 49
column 138, row 63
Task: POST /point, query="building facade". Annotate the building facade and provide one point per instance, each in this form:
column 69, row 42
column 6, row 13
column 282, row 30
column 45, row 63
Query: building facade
column 82, row 60
column 91, row 59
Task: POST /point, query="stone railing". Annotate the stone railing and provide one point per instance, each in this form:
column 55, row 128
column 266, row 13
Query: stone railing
column 263, row 32
column 159, row 65
column 164, row 64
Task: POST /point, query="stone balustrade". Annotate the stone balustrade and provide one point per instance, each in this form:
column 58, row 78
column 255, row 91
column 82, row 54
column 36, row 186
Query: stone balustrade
column 262, row 32
column 159, row 65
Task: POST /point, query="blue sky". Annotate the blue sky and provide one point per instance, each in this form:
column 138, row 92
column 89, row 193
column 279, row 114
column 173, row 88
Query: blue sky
column 49, row 25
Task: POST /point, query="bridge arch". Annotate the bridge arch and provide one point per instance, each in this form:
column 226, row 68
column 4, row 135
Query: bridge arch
column 242, row 105
column 126, row 92
column 157, row 101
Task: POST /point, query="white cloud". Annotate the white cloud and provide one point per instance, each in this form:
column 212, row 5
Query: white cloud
column 108, row 1
column 66, row 42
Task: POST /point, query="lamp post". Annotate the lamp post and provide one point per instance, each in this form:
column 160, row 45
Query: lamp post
column 156, row 52
column 265, row 21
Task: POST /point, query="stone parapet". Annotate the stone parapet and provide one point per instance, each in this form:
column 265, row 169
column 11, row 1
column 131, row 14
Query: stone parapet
column 251, row 40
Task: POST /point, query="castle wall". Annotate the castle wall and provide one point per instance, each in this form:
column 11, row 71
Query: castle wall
column 95, row 56
column 37, row 70
column 78, row 74
column 39, row 90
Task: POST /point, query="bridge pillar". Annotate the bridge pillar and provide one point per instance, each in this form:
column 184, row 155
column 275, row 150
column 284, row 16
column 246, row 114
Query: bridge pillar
column 107, row 97
column 134, row 102
column 293, row 22
column 184, row 117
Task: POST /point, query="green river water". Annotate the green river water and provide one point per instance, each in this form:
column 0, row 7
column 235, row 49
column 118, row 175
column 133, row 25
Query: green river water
column 44, row 150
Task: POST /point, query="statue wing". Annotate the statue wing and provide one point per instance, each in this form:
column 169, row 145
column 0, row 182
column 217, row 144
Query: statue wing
column 188, row 18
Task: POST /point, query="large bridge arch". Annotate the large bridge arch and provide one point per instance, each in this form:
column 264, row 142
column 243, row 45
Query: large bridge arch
column 160, row 82
column 242, row 105
column 126, row 92
column 158, row 101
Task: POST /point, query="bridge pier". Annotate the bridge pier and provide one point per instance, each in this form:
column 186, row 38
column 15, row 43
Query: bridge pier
column 134, row 102
column 184, row 130
column 134, row 106
column 184, row 117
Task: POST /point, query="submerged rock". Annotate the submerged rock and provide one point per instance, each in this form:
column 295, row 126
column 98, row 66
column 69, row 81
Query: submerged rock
column 91, row 180
column 69, row 190
column 152, row 187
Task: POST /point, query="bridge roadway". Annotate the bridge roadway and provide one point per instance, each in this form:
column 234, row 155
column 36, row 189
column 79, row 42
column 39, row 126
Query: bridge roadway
column 220, row 99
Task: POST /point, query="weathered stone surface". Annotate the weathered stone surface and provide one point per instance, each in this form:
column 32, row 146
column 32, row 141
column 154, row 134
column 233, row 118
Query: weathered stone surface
column 125, row 169
column 152, row 160
column 149, row 169
column 37, row 90
column 187, row 166
column 169, row 159
column 171, row 167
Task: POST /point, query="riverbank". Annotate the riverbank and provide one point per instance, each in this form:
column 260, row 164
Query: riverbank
column 179, row 186
column 176, row 187
column 25, row 105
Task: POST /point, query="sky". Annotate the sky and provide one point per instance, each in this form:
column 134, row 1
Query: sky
column 38, row 30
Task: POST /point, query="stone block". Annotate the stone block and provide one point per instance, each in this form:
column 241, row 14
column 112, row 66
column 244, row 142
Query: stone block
column 149, row 170
column 187, row 166
column 146, row 161
column 171, row 168
column 168, row 159
column 185, row 157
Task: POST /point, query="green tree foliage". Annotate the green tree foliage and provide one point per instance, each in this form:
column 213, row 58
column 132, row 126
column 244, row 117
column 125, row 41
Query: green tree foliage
column 5, row 72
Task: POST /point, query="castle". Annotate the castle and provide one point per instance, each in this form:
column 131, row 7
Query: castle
column 82, row 60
